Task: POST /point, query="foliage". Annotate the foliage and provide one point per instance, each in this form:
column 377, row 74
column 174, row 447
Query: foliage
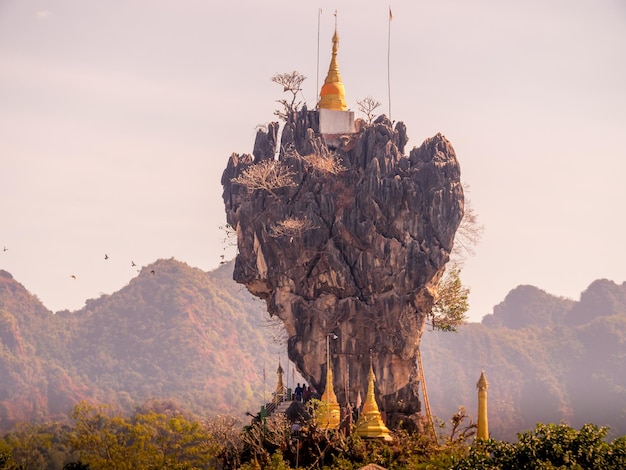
column 292, row 83
column 549, row 446
column 100, row 437
column 104, row 439
column 451, row 305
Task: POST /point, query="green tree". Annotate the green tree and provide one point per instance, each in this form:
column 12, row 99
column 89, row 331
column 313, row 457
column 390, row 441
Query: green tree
column 451, row 305
column 549, row 446
column 29, row 446
column 106, row 440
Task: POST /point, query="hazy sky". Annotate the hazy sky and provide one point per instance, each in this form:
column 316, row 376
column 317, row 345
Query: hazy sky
column 118, row 118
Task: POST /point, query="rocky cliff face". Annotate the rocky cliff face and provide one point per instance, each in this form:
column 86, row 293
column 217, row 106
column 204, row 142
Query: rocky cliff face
column 347, row 240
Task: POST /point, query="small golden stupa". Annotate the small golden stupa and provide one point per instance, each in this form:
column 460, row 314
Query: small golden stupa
column 279, row 393
column 370, row 423
column 329, row 415
column 483, row 422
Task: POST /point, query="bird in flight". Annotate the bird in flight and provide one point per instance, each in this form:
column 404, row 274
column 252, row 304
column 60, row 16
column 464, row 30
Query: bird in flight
column 106, row 256
column 73, row 276
column 5, row 249
column 152, row 272
column 132, row 264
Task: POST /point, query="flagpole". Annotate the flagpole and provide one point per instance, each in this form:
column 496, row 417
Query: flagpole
column 317, row 75
column 388, row 61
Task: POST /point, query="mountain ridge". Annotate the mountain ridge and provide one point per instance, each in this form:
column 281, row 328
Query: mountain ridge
column 203, row 341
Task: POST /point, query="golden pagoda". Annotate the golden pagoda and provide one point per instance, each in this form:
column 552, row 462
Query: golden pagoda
column 483, row 423
column 279, row 393
column 329, row 415
column 333, row 93
column 370, row 423
column 334, row 117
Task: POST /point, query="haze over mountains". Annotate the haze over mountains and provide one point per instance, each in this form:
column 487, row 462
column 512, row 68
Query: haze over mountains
column 203, row 341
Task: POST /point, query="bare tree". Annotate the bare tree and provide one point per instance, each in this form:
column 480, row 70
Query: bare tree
column 291, row 82
column 469, row 233
column 330, row 163
column 292, row 227
column 367, row 106
column 267, row 175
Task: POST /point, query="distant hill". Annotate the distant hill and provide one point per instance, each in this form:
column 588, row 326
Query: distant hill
column 546, row 358
column 174, row 332
column 203, row 341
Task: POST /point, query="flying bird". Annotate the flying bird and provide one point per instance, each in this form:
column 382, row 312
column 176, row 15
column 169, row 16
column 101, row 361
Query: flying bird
column 152, row 272
column 73, row 277
column 106, row 256
column 132, row 264
column 5, row 249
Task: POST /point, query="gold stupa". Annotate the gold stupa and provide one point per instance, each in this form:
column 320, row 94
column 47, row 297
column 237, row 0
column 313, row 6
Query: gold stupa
column 333, row 94
column 279, row 393
column 370, row 423
column 329, row 414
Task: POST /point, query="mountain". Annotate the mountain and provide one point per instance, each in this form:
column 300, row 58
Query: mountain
column 174, row 332
column 547, row 359
column 203, row 341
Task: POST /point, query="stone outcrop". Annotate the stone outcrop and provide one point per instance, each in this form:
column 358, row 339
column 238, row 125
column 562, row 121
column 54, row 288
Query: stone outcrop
column 352, row 245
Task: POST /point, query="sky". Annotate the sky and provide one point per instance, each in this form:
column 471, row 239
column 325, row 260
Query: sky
column 118, row 118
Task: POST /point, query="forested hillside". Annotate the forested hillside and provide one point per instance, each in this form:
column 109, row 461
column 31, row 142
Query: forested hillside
column 199, row 339
column 546, row 358
column 174, row 332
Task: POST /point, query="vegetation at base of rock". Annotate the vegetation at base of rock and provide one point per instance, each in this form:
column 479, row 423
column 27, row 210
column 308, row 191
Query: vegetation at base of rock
column 99, row 437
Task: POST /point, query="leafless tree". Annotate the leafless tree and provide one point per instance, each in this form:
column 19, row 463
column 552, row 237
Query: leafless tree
column 367, row 106
column 469, row 233
column 267, row 175
column 292, row 227
column 292, row 83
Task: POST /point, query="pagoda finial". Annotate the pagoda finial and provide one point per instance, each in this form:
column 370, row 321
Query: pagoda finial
column 370, row 423
column 333, row 94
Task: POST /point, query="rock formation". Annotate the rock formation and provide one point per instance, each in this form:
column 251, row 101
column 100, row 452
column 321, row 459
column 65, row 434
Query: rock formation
column 348, row 239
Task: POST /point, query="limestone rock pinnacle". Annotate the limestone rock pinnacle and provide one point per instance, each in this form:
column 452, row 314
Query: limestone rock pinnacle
column 350, row 241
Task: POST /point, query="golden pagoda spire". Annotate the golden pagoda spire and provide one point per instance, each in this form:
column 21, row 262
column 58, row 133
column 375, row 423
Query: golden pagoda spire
column 370, row 423
column 280, row 388
column 483, row 423
column 330, row 415
column 333, row 94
